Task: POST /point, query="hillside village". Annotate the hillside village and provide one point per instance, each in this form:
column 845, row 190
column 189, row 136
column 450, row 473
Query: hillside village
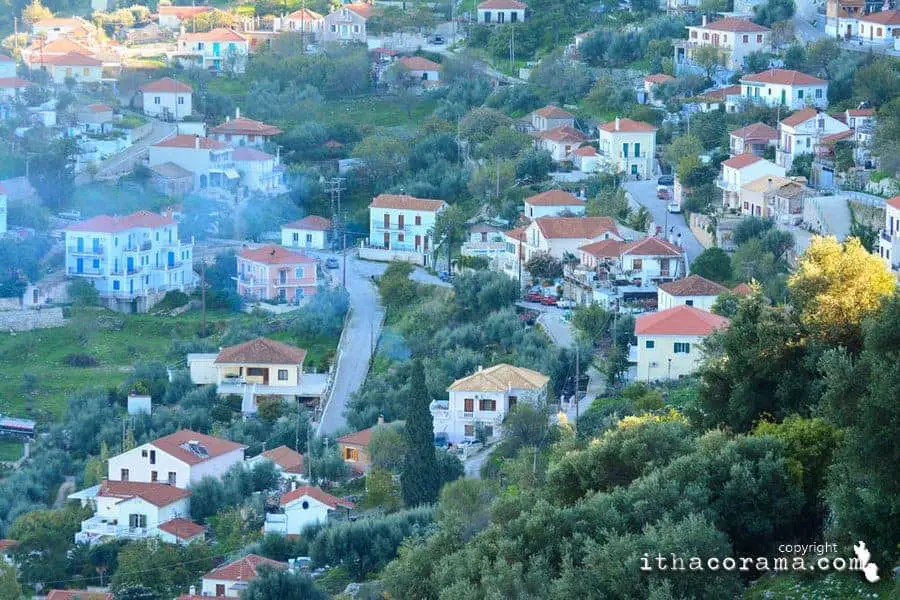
column 381, row 300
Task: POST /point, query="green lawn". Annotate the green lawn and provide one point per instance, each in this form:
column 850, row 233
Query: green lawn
column 10, row 450
column 116, row 199
column 141, row 338
column 375, row 112
column 834, row 586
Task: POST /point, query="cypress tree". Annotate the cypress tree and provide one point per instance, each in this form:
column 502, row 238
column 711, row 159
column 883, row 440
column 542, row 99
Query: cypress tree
column 420, row 481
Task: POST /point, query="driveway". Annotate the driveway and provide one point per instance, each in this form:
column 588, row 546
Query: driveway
column 643, row 193
column 124, row 161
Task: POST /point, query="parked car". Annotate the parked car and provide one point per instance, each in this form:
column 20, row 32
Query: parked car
column 549, row 300
column 674, row 207
column 332, row 263
column 568, row 304
column 533, row 297
column 666, row 180
column 437, row 40
column 662, row 193
column 441, row 440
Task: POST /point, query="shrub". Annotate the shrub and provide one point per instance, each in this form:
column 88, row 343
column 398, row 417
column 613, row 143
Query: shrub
column 80, row 360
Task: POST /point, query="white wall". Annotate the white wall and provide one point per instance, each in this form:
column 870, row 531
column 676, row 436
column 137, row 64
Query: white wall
column 175, row 105
column 666, row 300
column 139, row 467
column 534, row 212
column 770, row 94
column 410, row 229
column 216, row 467
column 611, row 145
column 299, row 517
column 306, row 238
column 653, row 363
column 498, row 17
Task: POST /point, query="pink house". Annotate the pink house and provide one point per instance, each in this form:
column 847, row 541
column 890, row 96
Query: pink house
column 275, row 273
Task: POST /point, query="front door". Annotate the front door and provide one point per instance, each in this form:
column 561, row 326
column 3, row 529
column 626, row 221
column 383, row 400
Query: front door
column 131, row 264
column 387, row 240
column 79, row 265
column 171, row 259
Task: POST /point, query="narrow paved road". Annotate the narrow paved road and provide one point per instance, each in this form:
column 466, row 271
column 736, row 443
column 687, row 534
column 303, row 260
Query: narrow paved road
column 124, row 161
column 644, row 194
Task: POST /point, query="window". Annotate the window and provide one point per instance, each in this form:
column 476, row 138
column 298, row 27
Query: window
column 356, row 29
column 86, row 71
column 513, row 17
column 625, row 150
column 689, row 302
column 693, row 35
column 200, row 46
column 282, row 374
column 759, row 39
column 351, row 454
column 333, row 30
column 469, row 405
column 304, row 505
column 172, row 477
column 137, row 521
column 96, row 263
column 637, row 264
column 819, row 93
column 489, row 429
column 181, row 100
column 154, row 476
column 116, row 284
column 309, row 238
column 220, row 589
column 637, row 150
column 682, row 348
column 486, row 404
column 400, row 237
column 295, row 237
column 650, row 344
column 487, row 16
column 156, row 100
column 706, row 36
column 153, row 457
column 144, row 453
column 800, row 94
column 469, row 430
column 418, row 220
column 746, row 39
column 123, row 475
column 299, row 272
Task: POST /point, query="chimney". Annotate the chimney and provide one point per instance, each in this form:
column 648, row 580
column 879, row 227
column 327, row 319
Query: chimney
column 196, row 142
column 770, row 184
column 237, row 112
column 617, row 123
column 703, row 21
column 381, row 419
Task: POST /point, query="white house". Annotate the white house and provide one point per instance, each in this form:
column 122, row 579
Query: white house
column 260, row 171
column 628, row 147
column 668, row 341
column 403, row 223
column 173, row 17
column 559, row 236
column 181, row 531
column 481, row 401
column 651, row 259
column 347, row 23
column 498, row 12
column 309, row 232
column 241, row 131
column 553, row 203
column 693, row 290
column 734, row 38
column 559, row 141
column 217, row 50
column 889, row 241
column 420, row 68
column 752, row 139
column 880, row 27
column 301, row 21
column 211, row 161
column 739, row 170
column 804, row 132
column 773, row 196
column 785, row 87
column 551, row 117
column 232, row 579
column 79, row 67
column 288, row 462
column 130, row 258
column 304, row 506
column 56, row 27
column 167, row 98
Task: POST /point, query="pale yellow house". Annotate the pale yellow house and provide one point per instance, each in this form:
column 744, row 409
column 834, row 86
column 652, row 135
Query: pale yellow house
column 355, row 446
column 668, row 341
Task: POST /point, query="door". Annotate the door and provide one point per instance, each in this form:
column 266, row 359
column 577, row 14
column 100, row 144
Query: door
column 171, row 259
column 387, row 240
column 512, row 401
column 130, row 264
column 399, row 221
column 131, row 286
column 79, row 265
column 783, row 97
column 216, row 49
column 79, row 244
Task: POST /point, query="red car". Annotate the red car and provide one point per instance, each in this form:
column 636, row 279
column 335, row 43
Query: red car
column 548, row 300
column 533, row 297
column 662, row 194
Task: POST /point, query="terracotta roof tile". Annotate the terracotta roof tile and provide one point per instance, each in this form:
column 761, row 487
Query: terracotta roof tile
column 502, row 4
column 304, row 14
column 519, row 233
column 652, row 246
column 262, row 351
column 190, row 141
column 500, row 378
column 680, row 320
column 287, row 458
column 742, row 160
column 245, row 126
column 801, row 116
column 178, row 445
column 604, row 248
column 157, row 494
column 575, row 227
column 657, row 78
column 366, row 11
column 554, row 198
column 317, row 494
column 720, row 94
column 735, row 24
column 562, row 134
column 586, row 151
column 783, row 77
column 693, row 285
column 364, row 436
column 5, row 544
column 243, row 569
column 183, row 529
column 894, row 202
column 627, row 125
column 78, row 595
column 167, row 85
column 220, row 34
column 275, row 255
column 742, row 289
column 72, row 59
column 756, row 131
column 310, row 223
column 171, row 171
column 417, row 63
column 551, row 111
column 107, row 224
column 245, row 154
column 885, row 17
column 182, row 12
column 403, row 202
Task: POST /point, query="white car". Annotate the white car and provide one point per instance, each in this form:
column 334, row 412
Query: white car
column 566, row 303
column 674, row 207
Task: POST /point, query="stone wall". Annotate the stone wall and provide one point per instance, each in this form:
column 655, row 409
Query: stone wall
column 26, row 320
column 699, row 224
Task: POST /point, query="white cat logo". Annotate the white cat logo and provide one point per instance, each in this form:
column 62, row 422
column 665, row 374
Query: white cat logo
column 869, row 569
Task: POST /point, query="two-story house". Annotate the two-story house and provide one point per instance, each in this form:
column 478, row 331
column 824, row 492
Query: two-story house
column 551, row 117
column 173, row 17
column 804, row 132
column 230, row 581
column 131, row 260
column 651, row 259
column 403, row 223
column 752, row 139
column 560, row 142
column 303, row 21
column 167, row 99
column 880, row 27
column 559, row 236
column 498, row 12
column 355, row 446
column 741, row 169
column 81, row 68
column 628, row 147
column 734, row 38
column 773, row 196
column 218, row 50
column 211, row 161
column 669, row 341
column 302, row 507
column 275, row 273
column 553, row 203
column 889, row 239
column 478, row 404
column 692, row 290
column 347, row 23
column 260, row 171
column 309, row 232
column 785, row 87
column 241, row 131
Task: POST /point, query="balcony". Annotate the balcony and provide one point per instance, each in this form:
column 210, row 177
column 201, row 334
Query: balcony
column 142, row 247
column 85, row 250
column 169, row 267
column 85, row 272
column 97, row 527
column 727, row 186
column 440, row 409
column 248, row 281
column 127, row 272
column 380, row 226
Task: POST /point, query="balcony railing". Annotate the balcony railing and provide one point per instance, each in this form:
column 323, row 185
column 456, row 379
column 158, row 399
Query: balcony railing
column 86, row 249
column 85, row 272
column 380, row 226
column 727, row 186
column 251, row 281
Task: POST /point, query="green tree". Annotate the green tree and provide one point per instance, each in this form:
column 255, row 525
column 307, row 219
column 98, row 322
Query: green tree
column 726, row 304
column 135, row 592
column 166, row 570
column 592, row 321
column 449, row 229
column 534, row 165
column 280, row 584
column 886, row 134
column 53, row 172
column 44, row 539
column 395, row 287
column 419, row 480
column 713, row 264
column 9, row 587
column 543, row 265
column 465, row 505
column 709, row 59
column 387, row 449
column 35, row 12
column 773, row 11
column 686, row 145
column 381, row 491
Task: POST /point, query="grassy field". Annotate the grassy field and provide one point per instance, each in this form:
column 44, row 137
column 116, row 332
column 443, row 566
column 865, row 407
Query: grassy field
column 34, row 362
column 834, row 586
column 10, row 450
column 121, row 199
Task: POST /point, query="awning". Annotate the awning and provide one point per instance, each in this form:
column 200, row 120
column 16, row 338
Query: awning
column 232, row 174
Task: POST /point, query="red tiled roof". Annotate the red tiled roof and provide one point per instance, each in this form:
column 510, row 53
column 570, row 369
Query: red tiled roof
column 78, row 595
column 107, row 224
column 735, row 24
column 693, row 285
column 742, row 289
column 801, row 116
column 59, row 22
column 157, row 494
column 404, row 202
column 680, row 320
column 783, row 77
column 586, row 151
column 4, row 544
column 658, row 78
column 98, row 107
column 182, row 12
column 836, row 137
column 885, row 17
column 554, row 198
column 364, row 436
column 173, row 444
column 60, row 45
column 243, row 569
column 14, row 82
column 219, row 34
column 362, row 9
column 317, row 494
column 311, row 223
column 861, row 112
column 167, row 84
column 183, row 529
column 190, row 141
column 604, row 248
column 502, row 4
column 652, row 246
column 417, row 63
column 720, row 94
column 287, row 458
column 551, row 111
column 5, row 59
column 246, row 154
column 275, row 255
column 575, row 227
column 519, row 233
column 72, row 59
column 756, row 131
column 742, row 160
column 262, row 351
column 628, row 125
column 245, row 126
column 562, row 134
column 894, row 202
column 304, row 14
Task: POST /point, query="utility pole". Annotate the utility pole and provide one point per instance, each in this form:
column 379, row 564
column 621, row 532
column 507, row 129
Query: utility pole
column 577, row 381
column 203, row 295
column 334, row 187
